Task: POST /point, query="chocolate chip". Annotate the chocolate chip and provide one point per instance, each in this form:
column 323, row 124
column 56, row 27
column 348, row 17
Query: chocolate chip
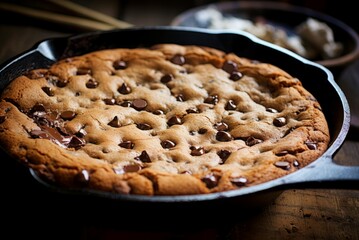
column 296, row 163
column 167, row 144
column 166, row 78
column 279, row 121
column 202, row 131
column 119, row 65
column 282, row 153
column 127, row 144
column 212, row 99
column 2, row 119
column 229, row 66
column 180, row 98
column 252, row 141
column 82, row 177
column 239, row 181
column 76, row 142
column 175, row 120
column 83, row 71
column 39, row 134
column 143, row 157
column 197, row 151
column 235, row 76
column 91, row 83
column 223, row 136
column 67, row 115
column 311, row 145
column 282, row 164
column 271, row 110
column 139, row 104
column 223, row 154
column 124, row 89
column 38, row 108
column 81, row 133
column 48, row 91
column 115, row 122
column 158, row 112
column 132, row 168
column 61, row 83
column 221, row 126
column 230, row 105
column 178, row 59
column 210, row 180
column 126, row 104
column 109, row 101
column 144, row 126
column 192, row 110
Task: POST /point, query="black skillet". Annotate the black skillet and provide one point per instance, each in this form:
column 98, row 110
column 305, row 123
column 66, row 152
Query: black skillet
column 323, row 173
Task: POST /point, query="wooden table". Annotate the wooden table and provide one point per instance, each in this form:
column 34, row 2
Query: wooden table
column 295, row 214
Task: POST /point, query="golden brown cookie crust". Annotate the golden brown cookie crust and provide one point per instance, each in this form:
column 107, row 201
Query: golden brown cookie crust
column 168, row 120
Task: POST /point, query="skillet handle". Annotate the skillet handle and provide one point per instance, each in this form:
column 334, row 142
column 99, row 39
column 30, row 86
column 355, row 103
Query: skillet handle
column 324, row 174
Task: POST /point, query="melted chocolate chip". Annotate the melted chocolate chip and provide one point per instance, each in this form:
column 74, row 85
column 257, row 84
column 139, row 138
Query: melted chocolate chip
column 212, row 99
column 235, row 76
column 91, row 83
column 252, row 141
column 296, row 163
column 180, row 98
column 223, row 136
column 178, row 59
column 271, row 110
column 197, row 151
column 158, row 112
column 223, row 154
column 143, row 157
column 282, row 164
column 76, row 142
column 38, row 108
column 67, row 115
column 144, row 126
column 82, row 177
column 119, row 65
column 282, row 153
column 126, row 104
column 132, row 168
column 139, row 104
column 115, row 122
column 311, row 145
column 229, row 66
column 175, row 120
column 202, row 130
column 167, row 144
column 48, row 91
column 279, row 121
column 166, row 78
column 127, row 144
column 230, row 105
column 83, row 71
column 221, row 126
column 2, row 119
column 109, row 101
column 124, row 89
column 61, row 83
column 239, row 181
column 210, row 180
column 81, row 133
column 192, row 110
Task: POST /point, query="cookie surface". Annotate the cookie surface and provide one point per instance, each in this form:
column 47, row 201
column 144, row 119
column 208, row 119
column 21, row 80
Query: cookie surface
column 167, row 120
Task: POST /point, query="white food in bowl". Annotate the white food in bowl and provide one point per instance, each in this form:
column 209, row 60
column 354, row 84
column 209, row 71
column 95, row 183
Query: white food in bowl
column 311, row 39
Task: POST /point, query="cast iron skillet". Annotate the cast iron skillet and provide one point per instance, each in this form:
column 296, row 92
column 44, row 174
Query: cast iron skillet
column 323, row 173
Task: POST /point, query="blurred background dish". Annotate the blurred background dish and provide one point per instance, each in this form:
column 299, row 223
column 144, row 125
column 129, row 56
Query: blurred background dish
column 314, row 35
